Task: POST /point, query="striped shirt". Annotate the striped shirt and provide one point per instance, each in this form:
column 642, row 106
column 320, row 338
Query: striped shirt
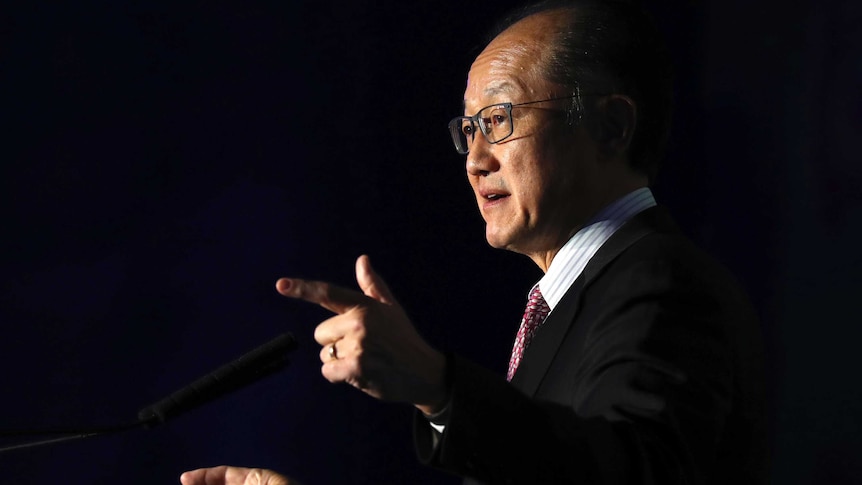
column 573, row 257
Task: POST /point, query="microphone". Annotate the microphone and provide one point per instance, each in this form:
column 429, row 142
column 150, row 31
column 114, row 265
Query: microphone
column 251, row 367
column 248, row 369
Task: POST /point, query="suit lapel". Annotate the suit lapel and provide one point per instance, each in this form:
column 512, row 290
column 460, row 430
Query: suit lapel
column 537, row 358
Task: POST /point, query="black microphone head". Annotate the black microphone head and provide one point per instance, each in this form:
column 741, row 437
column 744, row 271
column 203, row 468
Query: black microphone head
column 251, row 367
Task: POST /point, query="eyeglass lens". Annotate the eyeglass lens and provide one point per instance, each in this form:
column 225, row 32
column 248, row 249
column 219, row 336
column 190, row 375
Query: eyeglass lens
column 494, row 121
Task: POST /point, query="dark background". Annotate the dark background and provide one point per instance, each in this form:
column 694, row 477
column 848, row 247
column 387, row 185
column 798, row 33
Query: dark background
column 162, row 164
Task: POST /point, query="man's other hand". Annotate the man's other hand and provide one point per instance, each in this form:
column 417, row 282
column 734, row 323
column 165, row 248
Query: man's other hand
column 231, row 475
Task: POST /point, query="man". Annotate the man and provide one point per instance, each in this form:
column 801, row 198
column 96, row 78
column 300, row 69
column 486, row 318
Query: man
column 637, row 360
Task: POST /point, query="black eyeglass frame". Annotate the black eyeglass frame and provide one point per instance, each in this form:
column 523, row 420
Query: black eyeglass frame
column 456, row 125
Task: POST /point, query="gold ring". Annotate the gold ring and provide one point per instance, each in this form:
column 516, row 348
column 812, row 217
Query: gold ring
column 333, row 354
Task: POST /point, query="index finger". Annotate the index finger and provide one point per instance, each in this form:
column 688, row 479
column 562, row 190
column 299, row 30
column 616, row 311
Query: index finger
column 334, row 298
column 205, row 476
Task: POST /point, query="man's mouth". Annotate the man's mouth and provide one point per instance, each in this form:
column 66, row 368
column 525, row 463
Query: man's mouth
column 492, row 195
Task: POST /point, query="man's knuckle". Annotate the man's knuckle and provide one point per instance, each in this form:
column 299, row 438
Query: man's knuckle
column 358, row 328
column 255, row 477
column 324, row 290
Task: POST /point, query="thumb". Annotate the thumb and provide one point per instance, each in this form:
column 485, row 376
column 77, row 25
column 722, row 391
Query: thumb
column 371, row 283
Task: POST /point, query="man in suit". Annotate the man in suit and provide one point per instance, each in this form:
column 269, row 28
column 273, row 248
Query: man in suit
column 638, row 359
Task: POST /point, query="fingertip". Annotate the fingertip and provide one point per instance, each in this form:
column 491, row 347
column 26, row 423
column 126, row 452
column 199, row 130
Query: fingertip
column 362, row 262
column 283, row 285
column 336, row 371
column 326, row 370
column 363, row 265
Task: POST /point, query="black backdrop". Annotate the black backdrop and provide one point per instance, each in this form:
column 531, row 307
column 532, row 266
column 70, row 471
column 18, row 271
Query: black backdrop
column 164, row 163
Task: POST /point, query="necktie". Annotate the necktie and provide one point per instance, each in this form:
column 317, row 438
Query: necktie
column 534, row 315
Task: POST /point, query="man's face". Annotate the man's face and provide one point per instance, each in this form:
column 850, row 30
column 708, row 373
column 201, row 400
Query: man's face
column 532, row 188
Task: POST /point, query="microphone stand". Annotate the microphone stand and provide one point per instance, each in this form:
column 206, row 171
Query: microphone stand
column 251, row 367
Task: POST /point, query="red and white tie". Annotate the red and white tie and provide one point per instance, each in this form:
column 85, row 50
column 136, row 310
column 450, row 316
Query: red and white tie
column 536, row 312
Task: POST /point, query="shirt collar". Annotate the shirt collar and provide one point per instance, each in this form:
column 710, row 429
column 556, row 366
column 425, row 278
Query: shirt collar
column 572, row 258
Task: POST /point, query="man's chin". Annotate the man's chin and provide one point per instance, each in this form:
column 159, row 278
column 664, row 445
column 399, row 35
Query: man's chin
column 498, row 241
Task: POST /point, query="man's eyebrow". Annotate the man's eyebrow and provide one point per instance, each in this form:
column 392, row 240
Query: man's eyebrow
column 498, row 88
column 495, row 89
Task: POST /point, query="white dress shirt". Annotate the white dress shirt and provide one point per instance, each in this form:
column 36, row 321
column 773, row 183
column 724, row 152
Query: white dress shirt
column 573, row 257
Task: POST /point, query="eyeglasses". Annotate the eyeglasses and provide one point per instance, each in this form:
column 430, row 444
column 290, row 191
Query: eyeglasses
column 495, row 122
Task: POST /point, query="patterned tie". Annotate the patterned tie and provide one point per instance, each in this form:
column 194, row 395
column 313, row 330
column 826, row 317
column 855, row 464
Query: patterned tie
column 534, row 315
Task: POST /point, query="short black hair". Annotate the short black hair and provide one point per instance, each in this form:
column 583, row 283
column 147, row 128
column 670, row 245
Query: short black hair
column 613, row 47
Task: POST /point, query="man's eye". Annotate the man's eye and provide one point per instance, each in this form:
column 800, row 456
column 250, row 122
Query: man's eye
column 467, row 130
column 499, row 119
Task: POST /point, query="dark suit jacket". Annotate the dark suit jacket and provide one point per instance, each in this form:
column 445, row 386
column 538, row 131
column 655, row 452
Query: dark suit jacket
column 648, row 371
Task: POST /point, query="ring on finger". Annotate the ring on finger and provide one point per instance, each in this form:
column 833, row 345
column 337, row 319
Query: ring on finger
column 333, row 353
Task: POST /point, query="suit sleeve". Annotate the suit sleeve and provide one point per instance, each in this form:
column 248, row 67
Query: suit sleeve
column 641, row 389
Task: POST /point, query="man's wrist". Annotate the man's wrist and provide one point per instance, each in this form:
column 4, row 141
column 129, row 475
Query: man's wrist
column 439, row 400
column 441, row 417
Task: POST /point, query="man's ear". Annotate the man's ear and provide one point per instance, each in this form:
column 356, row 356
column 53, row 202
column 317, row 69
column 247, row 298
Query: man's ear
column 615, row 123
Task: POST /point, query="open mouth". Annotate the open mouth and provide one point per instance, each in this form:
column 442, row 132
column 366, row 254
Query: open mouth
column 492, row 195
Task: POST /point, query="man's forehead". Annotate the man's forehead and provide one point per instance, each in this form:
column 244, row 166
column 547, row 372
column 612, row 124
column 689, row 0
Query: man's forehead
column 489, row 80
column 507, row 65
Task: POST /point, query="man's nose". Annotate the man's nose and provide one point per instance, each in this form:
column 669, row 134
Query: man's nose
column 481, row 159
